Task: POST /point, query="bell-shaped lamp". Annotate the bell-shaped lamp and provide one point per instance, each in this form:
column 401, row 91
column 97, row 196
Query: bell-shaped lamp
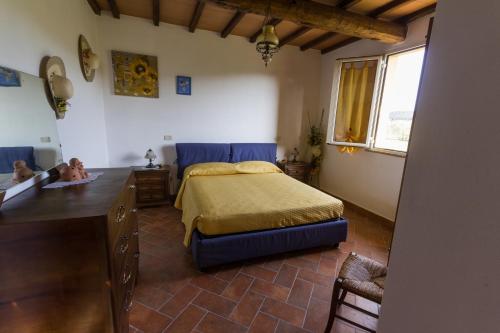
column 267, row 43
column 151, row 156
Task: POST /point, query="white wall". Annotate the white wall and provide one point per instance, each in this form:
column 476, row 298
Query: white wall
column 31, row 30
column 368, row 179
column 234, row 97
column 444, row 271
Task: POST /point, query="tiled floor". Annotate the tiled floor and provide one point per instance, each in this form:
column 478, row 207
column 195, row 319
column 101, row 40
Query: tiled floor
column 287, row 293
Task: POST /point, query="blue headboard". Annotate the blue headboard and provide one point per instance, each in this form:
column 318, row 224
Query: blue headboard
column 192, row 153
column 253, row 152
column 10, row 154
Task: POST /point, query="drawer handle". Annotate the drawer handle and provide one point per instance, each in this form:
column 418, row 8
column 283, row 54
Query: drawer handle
column 128, row 303
column 120, row 214
column 124, row 248
column 136, row 255
column 135, row 233
column 132, row 187
column 133, row 210
column 126, row 277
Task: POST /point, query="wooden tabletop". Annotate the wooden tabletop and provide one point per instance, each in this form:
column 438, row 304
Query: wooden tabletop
column 72, row 202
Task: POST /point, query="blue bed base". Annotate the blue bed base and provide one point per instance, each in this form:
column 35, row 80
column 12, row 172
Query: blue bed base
column 216, row 250
column 212, row 251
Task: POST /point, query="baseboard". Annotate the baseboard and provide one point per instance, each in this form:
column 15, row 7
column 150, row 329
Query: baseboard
column 362, row 211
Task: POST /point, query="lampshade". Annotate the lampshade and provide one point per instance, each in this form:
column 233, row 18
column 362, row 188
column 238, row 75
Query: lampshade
column 150, row 155
column 62, row 87
column 92, row 60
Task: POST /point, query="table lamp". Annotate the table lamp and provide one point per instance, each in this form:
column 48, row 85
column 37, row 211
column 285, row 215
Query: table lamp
column 151, row 156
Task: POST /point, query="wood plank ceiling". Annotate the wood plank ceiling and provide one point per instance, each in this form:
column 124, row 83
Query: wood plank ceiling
column 226, row 20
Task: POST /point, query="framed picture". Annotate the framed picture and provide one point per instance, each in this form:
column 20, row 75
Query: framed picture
column 183, row 84
column 135, row 74
column 9, row 77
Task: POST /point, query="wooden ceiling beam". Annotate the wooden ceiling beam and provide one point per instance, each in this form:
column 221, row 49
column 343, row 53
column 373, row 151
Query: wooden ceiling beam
column 379, row 11
column 402, row 20
column 256, row 34
column 346, row 4
column 339, row 45
column 318, row 40
column 320, row 16
column 156, row 12
column 418, row 14
column 114, row 8
column 196, row 15
column 232, row 24
column 296, row 34
column 95, row 6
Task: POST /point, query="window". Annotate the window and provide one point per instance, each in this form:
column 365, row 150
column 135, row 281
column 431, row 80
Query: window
column 356, row 99
column 375, row 101
column 397, row 103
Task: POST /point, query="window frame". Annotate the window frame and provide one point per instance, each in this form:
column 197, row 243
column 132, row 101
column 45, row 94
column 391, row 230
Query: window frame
column 372, row 147
column 378, row 91
column 333, row 106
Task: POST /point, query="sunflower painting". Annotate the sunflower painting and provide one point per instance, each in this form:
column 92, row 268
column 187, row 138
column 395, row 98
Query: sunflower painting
column 135, row 74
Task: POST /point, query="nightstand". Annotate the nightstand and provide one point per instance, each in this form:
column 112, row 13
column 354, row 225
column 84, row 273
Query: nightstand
column 298, row 170
column 152, row 186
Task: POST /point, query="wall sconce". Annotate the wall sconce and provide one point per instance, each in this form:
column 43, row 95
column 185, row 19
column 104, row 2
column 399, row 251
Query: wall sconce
column 60, row 87
column 89, row 61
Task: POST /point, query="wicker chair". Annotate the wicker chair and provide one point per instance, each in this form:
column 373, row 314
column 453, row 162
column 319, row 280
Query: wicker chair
column 363, row 277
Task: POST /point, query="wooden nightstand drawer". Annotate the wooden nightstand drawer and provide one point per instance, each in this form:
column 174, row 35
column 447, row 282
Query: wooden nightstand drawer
column 143, row 178
column 150, row 186
column 151, row 196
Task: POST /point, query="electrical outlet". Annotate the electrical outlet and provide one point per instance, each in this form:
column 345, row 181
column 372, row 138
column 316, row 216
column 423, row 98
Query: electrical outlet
column 167, row 137
column 45, row 139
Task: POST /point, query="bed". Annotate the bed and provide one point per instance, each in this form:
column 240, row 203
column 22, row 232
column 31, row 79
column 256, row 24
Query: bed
column 235, row 208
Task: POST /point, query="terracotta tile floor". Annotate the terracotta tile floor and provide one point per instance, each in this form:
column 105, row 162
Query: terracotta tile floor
column 285, row 293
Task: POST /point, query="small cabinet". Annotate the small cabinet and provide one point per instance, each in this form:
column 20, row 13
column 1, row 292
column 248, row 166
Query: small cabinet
column 298, row 170
column 152, row 186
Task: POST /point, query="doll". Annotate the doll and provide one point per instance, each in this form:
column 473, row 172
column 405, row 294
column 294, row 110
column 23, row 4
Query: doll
column 75, row 162
column 70, row 173
column 21, row 172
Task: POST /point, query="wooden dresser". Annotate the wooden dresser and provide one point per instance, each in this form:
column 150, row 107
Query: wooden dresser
column 298, row 170
column 152, row 186
column 69, row 257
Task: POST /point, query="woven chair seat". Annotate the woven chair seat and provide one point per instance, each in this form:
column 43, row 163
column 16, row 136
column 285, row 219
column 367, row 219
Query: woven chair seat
column 364, row 277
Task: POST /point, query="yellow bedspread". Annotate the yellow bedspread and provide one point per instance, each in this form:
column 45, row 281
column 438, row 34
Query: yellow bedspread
column 238, row 202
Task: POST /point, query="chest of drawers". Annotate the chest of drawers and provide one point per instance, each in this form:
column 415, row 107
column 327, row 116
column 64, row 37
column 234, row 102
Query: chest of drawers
column 69, row 257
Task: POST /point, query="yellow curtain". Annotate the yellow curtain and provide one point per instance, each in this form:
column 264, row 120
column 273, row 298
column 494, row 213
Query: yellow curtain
column 357, row 83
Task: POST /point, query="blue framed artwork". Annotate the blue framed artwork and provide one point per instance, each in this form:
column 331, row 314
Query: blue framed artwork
column 183, row 84
column 9, row 77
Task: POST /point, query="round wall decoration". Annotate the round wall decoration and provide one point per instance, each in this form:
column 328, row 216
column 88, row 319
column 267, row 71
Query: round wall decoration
column 89, row 61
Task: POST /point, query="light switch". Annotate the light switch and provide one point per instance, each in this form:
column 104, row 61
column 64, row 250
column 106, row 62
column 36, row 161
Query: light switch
column 167, row 137
column 45, row 139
